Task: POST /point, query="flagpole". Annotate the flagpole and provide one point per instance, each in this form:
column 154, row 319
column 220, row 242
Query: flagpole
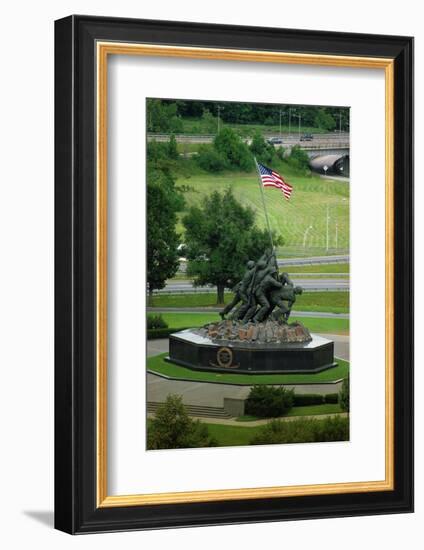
column 263, row 202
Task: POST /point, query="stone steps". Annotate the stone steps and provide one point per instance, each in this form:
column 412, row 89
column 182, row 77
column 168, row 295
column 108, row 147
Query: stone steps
column 195, row 410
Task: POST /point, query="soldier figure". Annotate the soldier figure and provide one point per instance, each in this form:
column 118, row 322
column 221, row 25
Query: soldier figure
column 240, row 291
column 267, row 283
column 279, row 298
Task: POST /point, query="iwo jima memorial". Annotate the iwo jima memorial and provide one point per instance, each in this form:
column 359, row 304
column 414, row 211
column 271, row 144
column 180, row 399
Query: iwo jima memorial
column 257, row 336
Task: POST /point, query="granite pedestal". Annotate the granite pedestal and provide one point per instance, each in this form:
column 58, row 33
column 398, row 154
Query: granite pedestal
column 189, row 349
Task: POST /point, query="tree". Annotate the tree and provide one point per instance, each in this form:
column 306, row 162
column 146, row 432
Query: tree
column 234, row 150
column 344, row 395
column 220, row 237
column 324, row 119
column 263, row 151
column 162, row 116
column 163, row 203
column 209, row 122
column 172, row 428
column 172, row 148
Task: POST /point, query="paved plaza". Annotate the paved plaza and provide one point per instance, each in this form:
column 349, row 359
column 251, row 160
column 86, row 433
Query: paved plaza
column 212, row 395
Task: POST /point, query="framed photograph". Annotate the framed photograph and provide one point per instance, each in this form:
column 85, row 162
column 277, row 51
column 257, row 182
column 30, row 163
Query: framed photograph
column 234, row 274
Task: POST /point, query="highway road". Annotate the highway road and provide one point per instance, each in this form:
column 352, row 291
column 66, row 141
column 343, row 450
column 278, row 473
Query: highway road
column 309, row 284
column 340, row 259
column 314, row 260
column 319, row 140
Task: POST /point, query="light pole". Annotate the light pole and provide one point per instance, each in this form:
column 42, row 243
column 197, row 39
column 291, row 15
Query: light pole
column 305, row 235
column 219, row 110
column 300, row 121
column 328, row 223
column 281, row 115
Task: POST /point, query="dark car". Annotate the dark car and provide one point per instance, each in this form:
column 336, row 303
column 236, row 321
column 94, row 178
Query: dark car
column 275, row 141
column 307, row 137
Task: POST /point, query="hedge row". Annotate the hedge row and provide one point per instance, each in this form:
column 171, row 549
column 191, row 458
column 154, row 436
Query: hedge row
column 303, row 430
column 302, row 399
column 154, row 333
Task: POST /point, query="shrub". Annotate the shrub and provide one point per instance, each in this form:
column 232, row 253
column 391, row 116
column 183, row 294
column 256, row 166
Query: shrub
column 303, row 430
column 155, row 333
column 156, row 321
column 269, row 401
column 263, row 151
column 344, row 396
column 304, row 399
column 331, row 398
column 172, row 428
column 210, row 159
column 172, row 148
column 298, row 159
column 234, row 150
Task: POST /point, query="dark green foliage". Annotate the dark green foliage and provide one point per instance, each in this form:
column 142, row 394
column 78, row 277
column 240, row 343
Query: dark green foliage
column 164, row 201
column 209, row 122
column 162, row 239
column 280, row 152
column 305, row 399
column 172, row 428
column 235, row 152
column 162, row 117
column 220, row 237
column 303, row 430
column 210, row 160
column 263, row 151
column 269, row 401
column 172, row 148
column 156, row 321
column 344, row 395
column 165, row 113
column 155, row 333
column 298, row 159
column 324, row 119
column 331, row 398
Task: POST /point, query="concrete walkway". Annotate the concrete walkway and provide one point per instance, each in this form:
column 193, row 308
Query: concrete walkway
column 252, row 423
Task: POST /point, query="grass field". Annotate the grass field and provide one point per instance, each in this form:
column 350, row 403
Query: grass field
column 322, row 269
column 307, row 206
column 159, row 365
column 230, row 436
column 334, row 302
column 195, row 125
column 193, row 319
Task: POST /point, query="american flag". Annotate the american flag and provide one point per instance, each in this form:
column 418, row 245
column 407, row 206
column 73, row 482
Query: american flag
column 273, row 179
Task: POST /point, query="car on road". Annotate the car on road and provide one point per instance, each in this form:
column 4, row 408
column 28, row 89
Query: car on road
column 275, row 141
column 307, row 137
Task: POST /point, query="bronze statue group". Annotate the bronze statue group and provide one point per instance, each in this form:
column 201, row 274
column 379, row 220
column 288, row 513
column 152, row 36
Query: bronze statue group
column 262, row 292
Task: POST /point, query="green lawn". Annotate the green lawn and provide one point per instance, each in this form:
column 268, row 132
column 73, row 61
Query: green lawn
column 326, row 408
column 315, row 324
column 307, row 206
column 318, row 268
column 159, row 365
column 197, row 125
column 230, row 436
column 334, row 302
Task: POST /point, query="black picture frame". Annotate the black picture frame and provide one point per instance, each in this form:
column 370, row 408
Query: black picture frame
column 76, row 509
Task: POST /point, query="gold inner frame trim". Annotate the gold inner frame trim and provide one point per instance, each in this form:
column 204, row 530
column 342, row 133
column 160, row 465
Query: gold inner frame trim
column 104, row 49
